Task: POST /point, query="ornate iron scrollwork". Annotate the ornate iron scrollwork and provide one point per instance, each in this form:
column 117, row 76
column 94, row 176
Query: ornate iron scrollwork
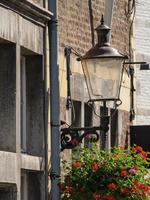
column 71, row 137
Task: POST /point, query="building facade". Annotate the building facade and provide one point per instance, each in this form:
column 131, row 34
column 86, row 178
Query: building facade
column 22, row 64
column 24, row 82
column 76, row 28
column 142, row 53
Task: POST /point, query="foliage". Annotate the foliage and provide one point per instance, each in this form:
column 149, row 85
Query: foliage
column 99, row 175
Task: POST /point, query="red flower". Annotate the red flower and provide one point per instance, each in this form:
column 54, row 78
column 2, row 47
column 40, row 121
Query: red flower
column 109, row 197
column 134, row 148
column 148, row 192
column 96, row 196
column 144, row 155
column 136, row 183
column 143, row 187
column 95, row 166
column 139, row 149
column 124, row 190
column 69, row 189
column 137, row 186
column 112, row 186
column 124, row 173
column 76, row 164
column 135, row 190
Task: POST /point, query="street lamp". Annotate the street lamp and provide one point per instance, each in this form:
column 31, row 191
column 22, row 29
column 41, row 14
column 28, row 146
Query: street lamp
column 102, row 66
column 103, row 69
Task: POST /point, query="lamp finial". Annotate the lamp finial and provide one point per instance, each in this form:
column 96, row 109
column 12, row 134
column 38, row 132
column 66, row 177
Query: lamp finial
column 102, row 20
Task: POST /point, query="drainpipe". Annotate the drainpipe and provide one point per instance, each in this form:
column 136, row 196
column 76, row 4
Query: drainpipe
column 54, row 102
column 108, row 15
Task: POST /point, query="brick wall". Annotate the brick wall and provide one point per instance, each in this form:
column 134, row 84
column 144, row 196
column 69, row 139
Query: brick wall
column 74, row 24
column 120, row 27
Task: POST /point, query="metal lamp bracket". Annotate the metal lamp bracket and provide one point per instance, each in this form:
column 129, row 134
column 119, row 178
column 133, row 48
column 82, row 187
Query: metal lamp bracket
column 73, row 136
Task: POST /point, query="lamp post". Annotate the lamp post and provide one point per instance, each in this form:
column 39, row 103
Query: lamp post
column 103, row 68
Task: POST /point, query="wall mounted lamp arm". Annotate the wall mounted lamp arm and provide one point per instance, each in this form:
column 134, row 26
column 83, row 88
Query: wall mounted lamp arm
column 73, row 136
column 132, row 90
column 68, row 51
column 67, row 55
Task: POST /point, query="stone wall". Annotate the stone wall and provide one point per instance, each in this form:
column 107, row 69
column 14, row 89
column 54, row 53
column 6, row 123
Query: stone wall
column 74, row 24
column 142, row 42
column 120, row 27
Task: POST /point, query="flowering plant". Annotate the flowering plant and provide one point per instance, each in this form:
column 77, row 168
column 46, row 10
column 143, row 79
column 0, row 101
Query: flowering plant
column 99, row 175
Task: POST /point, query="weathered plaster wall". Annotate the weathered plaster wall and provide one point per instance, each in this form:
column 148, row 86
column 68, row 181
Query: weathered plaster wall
column 8, row 167
column 15, row 28
column 142, row 44
column 33, row 163
column 20, row 36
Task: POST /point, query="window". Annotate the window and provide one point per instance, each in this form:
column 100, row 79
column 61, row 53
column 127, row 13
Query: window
column 88, row 115
column 114, row 127
column 88, row 119
column 31, row 187
column 76, row 114
column 32, row 126
column 112, row 135
column 76, row 121
column 8, row 97
column 82, row 116
column 24, row 186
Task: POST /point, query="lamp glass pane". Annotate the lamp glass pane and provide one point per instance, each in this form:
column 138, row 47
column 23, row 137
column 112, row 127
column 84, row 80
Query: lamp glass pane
column 103, row 77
